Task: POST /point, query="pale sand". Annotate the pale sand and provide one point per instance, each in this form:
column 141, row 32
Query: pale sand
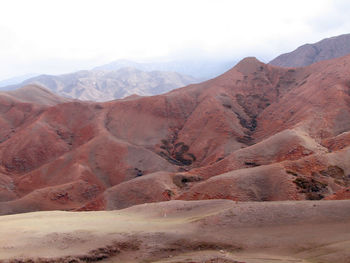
column 184, row 231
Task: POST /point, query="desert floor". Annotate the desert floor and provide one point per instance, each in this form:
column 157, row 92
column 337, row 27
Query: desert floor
column 183, row 231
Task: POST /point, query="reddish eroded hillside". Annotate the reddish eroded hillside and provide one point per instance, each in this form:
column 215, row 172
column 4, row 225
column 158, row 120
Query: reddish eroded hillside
column 257, row 132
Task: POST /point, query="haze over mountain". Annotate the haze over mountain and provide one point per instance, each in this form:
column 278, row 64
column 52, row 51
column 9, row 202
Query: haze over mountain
column 16, row 80
column 202, row 69
column 107, row 82
column 256, row 133
column 214, row 32
column 97, row 85
column 307, row 54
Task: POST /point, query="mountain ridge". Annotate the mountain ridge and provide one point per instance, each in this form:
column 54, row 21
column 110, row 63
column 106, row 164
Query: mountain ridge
column 202, row 69
column 256, row 133
column 109, row 85
column 307, row 54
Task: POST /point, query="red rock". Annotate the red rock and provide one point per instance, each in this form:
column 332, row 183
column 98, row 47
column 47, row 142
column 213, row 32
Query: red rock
column 292, row 123
column 340, row 195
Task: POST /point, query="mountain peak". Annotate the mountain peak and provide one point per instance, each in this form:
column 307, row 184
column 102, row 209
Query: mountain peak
column 249, row 65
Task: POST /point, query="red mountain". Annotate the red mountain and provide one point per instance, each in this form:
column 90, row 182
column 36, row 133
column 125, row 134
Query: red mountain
column 257, row 132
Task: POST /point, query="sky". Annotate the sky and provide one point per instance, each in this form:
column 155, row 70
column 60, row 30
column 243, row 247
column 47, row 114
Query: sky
column 60, row 36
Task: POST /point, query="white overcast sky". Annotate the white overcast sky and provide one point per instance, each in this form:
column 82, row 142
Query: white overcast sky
column 56, row 36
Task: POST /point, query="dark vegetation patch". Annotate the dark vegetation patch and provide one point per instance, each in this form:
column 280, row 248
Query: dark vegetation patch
column 338, row 174
column 227, row 106
column 8, row 136
column 250, row 124
column 314, row 196
column 219, row 159
column 317, row 189
column 313, row 189
column 252, row 106
column 98, row 107
column 138, row 172
column 168, row 193
column 66, row 136
column 246, row 139
column 176, row 153
column 301, row 84
column 291, row 172
column 251, row 164
column 182, row 180
column 62, row 197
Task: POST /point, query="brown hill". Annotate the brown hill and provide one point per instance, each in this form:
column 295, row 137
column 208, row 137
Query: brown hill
column 34, row 94
column 257, row 132
column 308, row 54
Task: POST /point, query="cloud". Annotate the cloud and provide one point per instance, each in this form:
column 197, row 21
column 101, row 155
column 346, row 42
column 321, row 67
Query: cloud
column 39, row 31
column 334, row 20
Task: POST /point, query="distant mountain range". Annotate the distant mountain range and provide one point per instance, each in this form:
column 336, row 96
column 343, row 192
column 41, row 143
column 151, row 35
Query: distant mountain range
column 97, row 85
column 308, row 54
column 203, row 69
column 16, row 80
column 123, row 78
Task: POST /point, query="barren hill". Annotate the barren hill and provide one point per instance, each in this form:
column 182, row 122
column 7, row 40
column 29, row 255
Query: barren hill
column 256, row 133
column 34, row 94
column 214, row 231
column 307, row 54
